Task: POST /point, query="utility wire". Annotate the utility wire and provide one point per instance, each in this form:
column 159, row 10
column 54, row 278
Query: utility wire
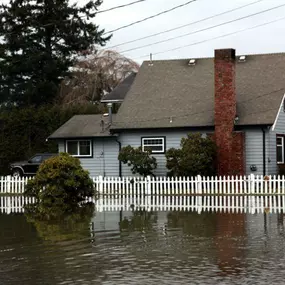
column 204, row 29
column 186, row 25
column 98, row 12
column 215, row 38
column 121, row 6
column 150, row 17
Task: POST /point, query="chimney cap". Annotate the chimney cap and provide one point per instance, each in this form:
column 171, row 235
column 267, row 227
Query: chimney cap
column 225, row 54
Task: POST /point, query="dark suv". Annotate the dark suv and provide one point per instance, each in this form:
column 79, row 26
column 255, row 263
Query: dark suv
column 29, row 167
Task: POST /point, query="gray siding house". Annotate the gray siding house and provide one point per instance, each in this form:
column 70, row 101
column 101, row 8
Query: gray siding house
column 240, row 99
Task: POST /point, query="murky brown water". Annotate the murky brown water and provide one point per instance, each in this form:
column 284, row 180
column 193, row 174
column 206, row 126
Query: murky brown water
column 159, row 247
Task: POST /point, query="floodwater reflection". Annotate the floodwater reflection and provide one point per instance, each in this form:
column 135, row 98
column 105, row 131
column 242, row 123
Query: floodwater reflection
column 122, row 241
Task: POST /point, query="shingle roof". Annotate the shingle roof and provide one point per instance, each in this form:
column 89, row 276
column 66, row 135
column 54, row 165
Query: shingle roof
column 83, row 126
column 120, row 91
column 170, row 93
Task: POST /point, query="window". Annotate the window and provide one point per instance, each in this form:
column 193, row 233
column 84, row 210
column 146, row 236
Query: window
column 36, row 159
column 280, row 149
column 79, row 148
column 157, row 145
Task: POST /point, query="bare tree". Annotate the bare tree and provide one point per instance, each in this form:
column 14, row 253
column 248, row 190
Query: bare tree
column 94, row 75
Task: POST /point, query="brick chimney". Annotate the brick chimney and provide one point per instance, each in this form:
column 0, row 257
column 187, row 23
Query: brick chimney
column 230, row 157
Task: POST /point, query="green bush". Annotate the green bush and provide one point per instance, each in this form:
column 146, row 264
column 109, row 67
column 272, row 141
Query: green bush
column 56, row 224
column 195, row 157
column 141, row 162
column 60, row 181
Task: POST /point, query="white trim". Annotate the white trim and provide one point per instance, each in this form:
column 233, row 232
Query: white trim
column 78, row 148
column 279, row 111
column 112, row 101
column 154, row 138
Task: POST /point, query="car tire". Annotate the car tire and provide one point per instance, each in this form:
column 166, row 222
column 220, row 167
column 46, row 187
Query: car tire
column 17, row 172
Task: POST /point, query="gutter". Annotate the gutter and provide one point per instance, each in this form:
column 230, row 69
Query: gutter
column 264, row 151
column 120, row 163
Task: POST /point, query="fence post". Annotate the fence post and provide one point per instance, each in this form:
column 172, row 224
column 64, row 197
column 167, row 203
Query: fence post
column 8, row 184
column 252, row 192
column 199, row 184
column 199, row 193
column 252, row 183
column 148, row 185
column 100, row 182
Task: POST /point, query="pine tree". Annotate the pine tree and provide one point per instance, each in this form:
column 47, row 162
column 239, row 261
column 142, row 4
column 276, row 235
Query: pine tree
column 39, row 41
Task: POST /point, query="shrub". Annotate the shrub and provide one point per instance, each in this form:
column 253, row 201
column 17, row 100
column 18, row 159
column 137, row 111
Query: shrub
column 142, row 162
column 56, row 224
column 60, row 181
column 195, row 157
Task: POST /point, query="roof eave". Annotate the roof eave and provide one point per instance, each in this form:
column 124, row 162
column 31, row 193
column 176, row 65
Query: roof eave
column 113, row 130
column 80, row 137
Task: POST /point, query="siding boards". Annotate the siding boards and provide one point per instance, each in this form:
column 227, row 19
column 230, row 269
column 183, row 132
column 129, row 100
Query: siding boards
column 254, row 150
column 61, row 146
column 271, row 161
column 280, row 122
column 172, row 139
column 105, row 157
column 279, row 129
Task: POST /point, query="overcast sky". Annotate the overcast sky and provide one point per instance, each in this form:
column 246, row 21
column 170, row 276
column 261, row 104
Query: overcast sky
column 265, row 39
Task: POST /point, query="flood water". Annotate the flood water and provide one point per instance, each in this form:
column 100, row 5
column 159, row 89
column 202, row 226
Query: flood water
column 134, row 246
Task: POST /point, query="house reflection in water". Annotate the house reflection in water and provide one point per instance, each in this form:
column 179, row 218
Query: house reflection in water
column 230, row 242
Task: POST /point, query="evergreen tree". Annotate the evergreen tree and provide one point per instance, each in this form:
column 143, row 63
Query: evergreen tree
column 39, row 41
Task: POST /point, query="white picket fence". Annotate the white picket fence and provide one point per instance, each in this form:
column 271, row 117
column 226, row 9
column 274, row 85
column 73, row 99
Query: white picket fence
column 13, row 185
column 193, row 186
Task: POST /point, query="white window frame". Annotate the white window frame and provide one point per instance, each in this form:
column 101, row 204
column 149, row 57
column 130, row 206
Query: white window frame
column 282, row 145
column 154, row 138
column 78, row 148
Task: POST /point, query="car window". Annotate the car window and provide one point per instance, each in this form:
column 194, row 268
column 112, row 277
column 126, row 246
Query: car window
column 36, row 159
column 46, row 157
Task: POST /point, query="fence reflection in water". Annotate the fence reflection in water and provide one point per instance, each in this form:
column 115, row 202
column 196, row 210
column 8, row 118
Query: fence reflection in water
column 230, row 204
column 14, row 204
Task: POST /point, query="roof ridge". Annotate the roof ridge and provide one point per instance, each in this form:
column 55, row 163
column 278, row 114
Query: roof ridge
column 198, row 58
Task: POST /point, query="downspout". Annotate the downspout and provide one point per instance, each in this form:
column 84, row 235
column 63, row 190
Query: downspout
column 264, row 151
column 110, row 105
column 120, row 163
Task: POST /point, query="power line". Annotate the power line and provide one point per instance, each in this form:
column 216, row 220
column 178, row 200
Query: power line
column 150, row 17
column 204, row 29
column 121, row 6
column 97, row 12
column 186, row 25
column 215, row 38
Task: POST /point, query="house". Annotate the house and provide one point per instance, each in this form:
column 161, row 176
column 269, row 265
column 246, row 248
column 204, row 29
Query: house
column 119, row 93
column 238, row 99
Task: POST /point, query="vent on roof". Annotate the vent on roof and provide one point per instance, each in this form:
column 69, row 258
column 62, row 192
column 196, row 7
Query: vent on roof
column 242, row 58
column 192, row 61
column 150, row 60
